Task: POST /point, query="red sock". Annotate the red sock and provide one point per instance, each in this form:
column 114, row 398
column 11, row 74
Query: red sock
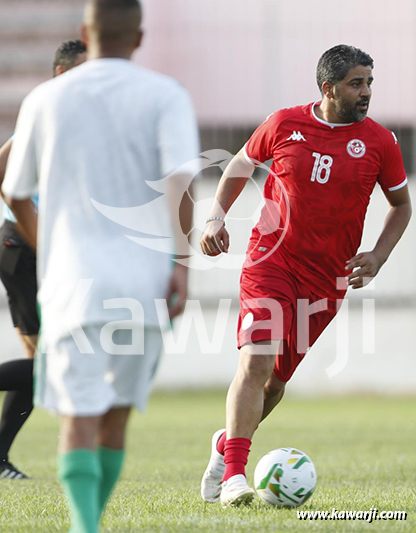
column 221, row 443
column 235, row 457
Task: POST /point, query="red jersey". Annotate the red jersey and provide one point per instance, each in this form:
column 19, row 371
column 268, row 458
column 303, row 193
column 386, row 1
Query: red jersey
column 318, row 191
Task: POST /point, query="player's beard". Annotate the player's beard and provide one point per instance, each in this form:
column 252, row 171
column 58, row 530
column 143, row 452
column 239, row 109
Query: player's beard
column 350, row 112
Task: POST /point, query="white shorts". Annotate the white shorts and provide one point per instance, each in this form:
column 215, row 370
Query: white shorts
column 72, row 383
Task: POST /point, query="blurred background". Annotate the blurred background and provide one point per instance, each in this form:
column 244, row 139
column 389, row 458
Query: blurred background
column 241, row 60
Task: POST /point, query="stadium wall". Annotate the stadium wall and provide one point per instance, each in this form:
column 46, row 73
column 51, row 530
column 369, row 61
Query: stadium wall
column 242, row 60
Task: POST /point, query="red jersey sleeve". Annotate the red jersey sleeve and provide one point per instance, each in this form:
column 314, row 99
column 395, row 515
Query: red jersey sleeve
column 392, row 174
column 259, row 148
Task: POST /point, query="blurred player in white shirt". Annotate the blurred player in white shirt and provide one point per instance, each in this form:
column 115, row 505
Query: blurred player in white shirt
column 91, row 138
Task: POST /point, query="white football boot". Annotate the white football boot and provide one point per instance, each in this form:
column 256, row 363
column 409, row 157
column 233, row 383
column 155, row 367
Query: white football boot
column 236, row 491
column 212, row 478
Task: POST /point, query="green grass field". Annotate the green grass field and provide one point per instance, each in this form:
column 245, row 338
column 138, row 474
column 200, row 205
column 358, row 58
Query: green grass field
column 363, row 449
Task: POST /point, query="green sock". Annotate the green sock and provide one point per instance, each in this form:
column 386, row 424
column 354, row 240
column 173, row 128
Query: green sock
column 80, row 474
column 111, row 463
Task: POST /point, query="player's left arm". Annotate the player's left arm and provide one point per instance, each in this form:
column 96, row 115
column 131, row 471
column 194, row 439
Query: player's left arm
column 368, row 264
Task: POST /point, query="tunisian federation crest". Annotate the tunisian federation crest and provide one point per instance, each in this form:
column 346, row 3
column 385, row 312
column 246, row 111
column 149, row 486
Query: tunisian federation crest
column 356, row 148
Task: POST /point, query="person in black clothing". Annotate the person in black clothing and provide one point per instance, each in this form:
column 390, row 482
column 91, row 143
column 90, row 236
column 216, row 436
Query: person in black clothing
column 18, row 275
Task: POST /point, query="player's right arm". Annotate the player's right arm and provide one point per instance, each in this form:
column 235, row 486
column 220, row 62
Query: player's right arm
column 258, row 149
column 215, row 238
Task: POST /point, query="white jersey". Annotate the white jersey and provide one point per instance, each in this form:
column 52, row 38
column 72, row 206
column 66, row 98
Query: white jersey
column 89, row 139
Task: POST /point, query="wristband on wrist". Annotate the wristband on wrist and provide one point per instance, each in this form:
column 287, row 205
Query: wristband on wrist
column 211, row 219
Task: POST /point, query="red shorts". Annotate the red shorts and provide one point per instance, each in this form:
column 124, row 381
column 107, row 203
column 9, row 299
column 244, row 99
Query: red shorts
column 274, row 305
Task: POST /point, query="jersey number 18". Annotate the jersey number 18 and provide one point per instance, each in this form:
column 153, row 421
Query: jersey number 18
column 322, row 168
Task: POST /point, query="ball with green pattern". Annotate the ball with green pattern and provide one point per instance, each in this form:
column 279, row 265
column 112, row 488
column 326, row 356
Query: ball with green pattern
column 285, row 478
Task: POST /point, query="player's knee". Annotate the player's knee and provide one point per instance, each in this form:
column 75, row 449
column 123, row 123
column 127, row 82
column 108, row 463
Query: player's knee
column 112, row 437
column 78, row 432
column 274, row 388
column 113, row 428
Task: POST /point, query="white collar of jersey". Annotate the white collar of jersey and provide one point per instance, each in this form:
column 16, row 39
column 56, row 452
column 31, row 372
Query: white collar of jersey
column 330, row 124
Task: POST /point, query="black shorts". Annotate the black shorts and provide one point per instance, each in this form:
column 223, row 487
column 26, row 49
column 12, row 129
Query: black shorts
column 18, row 274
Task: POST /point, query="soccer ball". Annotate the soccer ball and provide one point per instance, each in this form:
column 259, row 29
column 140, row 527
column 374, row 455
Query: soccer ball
column 285, row 478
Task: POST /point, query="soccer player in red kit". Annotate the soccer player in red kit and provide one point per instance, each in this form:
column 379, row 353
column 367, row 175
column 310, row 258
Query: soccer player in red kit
column 327, row 157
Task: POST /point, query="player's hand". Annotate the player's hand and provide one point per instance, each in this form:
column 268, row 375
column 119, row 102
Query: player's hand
column 215, row 238
column 365, row 267
column 178, row 291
